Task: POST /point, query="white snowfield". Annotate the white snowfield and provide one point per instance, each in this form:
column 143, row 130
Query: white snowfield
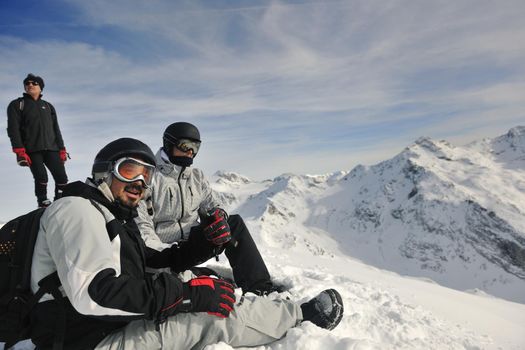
column 427, row 249
column 386, row 311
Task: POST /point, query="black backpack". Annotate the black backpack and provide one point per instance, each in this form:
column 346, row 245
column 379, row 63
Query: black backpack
column 17, row 243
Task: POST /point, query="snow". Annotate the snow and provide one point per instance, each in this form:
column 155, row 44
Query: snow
column 384, row 310
column 413, row 244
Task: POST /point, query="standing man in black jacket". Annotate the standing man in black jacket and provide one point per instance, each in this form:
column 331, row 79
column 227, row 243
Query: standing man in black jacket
column 36, row 139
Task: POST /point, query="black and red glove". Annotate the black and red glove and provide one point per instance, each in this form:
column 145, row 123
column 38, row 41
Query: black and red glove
column 202, row 294
column 211, row 295
column 216, row 229
column 62, row 153
column 21, row 156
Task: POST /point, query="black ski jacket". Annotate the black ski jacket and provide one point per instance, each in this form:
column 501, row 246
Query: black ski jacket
column 33, row 125
column 96, row 248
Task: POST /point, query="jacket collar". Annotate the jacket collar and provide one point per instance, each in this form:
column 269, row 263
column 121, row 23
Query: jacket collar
column 90, row 190
column 165, row 166
column 26, row 95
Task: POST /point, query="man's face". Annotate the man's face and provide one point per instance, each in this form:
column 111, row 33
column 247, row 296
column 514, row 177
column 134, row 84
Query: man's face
column 178, row 153
column 128, row 194
column 33, row 88
column 185, row 148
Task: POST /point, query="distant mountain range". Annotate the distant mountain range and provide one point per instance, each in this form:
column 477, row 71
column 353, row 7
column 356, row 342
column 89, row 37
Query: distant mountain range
column 448, row 213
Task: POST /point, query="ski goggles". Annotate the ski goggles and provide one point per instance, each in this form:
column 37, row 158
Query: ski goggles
column 186, row 145
column 130, row 170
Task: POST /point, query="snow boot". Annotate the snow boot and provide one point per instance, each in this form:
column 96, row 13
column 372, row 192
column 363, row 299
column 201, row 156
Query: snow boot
column 44, row 203
column 59, row 190
column 325, row 310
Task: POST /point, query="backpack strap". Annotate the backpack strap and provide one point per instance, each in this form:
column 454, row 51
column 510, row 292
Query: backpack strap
column 107, row 216
column 111, row 222
column 47, row 285
column 21, row 104
column 50, row 284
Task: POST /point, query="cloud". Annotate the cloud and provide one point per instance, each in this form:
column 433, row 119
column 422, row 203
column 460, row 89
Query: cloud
column 278, row 86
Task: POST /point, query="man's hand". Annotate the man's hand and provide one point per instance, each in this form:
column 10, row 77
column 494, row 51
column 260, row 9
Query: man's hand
column 21, row 157
column 211, row 295
column 202, row 294
column 63, row 154
column 216, row 229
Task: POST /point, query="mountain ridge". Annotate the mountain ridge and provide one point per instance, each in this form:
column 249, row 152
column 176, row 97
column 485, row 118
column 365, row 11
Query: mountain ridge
column 435, row 210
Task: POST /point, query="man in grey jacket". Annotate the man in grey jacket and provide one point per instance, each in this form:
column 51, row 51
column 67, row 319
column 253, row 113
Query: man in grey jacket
column 181, row 205
column 89, row 238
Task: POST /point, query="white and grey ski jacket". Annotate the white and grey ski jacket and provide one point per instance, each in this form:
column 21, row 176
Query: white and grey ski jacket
column 101, row 259
column 177, row 193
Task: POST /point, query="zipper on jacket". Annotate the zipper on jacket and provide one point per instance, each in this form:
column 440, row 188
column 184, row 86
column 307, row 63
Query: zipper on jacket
column 181, row 203
column 43, row 117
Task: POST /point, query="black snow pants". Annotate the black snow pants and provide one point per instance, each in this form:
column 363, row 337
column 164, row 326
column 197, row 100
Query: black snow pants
column 50, row 159
column 249, row 269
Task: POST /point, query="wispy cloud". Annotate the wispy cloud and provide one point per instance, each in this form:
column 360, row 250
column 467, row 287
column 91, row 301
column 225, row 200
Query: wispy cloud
column 306, row 87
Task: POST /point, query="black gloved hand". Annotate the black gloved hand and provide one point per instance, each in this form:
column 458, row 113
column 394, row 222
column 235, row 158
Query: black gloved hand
column 216, row 229
column 207, row 294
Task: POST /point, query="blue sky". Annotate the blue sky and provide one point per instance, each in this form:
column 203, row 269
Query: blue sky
column 308, row 87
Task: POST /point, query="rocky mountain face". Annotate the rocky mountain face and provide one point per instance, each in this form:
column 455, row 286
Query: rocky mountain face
column 452, row 214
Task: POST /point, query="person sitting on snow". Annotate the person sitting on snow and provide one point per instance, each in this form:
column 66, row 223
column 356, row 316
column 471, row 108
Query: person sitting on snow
column 110, row 301
column 181, row 205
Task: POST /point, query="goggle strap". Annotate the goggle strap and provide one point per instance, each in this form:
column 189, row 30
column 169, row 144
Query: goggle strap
column 101, row 167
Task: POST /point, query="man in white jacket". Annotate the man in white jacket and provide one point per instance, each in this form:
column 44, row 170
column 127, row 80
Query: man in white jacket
column 181, row 205
column 109, row 301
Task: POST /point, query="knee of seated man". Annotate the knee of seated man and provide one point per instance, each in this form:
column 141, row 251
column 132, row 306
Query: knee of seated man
column 235, row 219
column 236, row 224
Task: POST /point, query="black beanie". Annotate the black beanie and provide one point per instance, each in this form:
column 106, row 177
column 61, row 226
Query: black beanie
column 36, row 78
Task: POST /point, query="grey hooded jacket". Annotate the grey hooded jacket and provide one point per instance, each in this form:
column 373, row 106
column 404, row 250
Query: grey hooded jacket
column 171, row 210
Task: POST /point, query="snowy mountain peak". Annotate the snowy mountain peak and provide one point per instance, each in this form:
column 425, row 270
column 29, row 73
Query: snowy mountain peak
column 425, row 146
column 507, row 149
column 514, row 138
column 453, row 214
column 517, row 131
column 230, row 178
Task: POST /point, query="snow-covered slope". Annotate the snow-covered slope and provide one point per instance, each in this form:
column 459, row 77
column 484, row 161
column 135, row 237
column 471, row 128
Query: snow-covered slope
column 426, row 248
column 384, row 310
column 452, row 214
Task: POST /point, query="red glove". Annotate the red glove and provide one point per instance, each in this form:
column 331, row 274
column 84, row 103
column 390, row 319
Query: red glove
column 21, row 157
column 63, row 155
column 211, row 295
column 217, row 231
column 202, row 294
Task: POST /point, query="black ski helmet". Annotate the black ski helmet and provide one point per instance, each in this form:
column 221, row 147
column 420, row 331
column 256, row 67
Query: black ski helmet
column 123, row 147
column 177, row 131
